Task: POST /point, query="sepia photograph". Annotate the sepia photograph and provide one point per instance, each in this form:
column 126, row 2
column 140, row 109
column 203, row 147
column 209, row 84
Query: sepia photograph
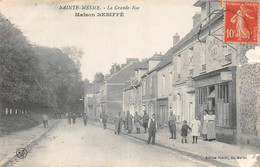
column 129, row 83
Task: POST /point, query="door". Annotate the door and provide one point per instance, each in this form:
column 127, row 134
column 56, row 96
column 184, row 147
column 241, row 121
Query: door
column 163, row 118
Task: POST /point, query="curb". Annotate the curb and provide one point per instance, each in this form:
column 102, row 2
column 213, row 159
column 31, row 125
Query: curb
column 30, row 145
column 182, row 152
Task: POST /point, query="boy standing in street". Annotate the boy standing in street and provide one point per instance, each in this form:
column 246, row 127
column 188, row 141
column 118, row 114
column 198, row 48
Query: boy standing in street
column 152, row 129
column 184, row 131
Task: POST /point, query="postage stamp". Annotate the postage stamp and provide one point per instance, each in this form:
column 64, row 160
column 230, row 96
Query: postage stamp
column 241, row 21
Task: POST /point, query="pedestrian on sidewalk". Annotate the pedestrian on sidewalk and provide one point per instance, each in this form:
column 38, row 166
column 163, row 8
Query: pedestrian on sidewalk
column 205, row 125
column 129, row 122
column 85, row 119
column 211, row 132
column 74, row 118
column 152, row 129
column 137, row 122
column 172, row 125
column 124, row 120
column 104, row 118
column 195, row 126
column 118, row 123
column 45, row 120
column 69, row 118
column 184, row 131
column 145, row 121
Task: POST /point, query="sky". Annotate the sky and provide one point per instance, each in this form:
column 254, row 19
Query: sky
column 139, row 34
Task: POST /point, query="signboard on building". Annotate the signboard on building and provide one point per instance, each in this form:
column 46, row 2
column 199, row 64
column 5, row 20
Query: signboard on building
column 241, row 21
column 226, row 76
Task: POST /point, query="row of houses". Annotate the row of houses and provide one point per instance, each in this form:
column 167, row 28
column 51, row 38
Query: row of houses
column 198, row 72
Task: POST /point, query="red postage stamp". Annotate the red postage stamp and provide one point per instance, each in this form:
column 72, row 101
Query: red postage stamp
column 241, row 21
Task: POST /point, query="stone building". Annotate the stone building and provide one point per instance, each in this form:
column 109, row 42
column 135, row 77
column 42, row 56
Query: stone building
column 149, row 85
column 133, row 92
column 111, row 90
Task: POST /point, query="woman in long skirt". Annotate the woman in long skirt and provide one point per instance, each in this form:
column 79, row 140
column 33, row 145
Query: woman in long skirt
column 205, row 125
column 211, row 133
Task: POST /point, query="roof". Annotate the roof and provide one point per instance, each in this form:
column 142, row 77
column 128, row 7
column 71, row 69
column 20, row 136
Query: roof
column 193, row 34
column 199, row 3
column 156, row 57
column 124, row 74
column 167, row 59
column 141, row 65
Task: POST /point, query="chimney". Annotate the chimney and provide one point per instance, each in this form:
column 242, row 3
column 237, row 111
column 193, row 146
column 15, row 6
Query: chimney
column 176, row 39
column 196, row 19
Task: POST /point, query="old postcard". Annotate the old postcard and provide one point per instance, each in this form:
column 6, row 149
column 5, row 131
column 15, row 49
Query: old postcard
column 129, row 83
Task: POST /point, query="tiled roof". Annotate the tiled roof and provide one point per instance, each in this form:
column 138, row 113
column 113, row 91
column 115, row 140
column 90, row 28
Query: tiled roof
column 167, row 59
column 123, row 75
column 156, row 57
column 141, row 65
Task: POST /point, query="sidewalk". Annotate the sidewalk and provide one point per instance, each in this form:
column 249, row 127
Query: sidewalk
column 217, row 153
column 21, row 139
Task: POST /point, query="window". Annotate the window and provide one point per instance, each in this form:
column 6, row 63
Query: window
column 178, row 64
column 202, row 95
column 151, row 85
column 144, row 87
column 171, row 81
column 223, row 115
column 163, row 84
column 190, row 60
column 203, row 55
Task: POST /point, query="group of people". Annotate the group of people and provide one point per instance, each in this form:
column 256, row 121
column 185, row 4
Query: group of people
column 207, row 128
column 72, row 117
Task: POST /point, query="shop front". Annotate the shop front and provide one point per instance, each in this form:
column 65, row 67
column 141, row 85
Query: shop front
column 217, row 91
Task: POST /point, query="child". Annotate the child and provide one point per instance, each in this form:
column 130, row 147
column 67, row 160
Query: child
column 195, row 125
column 184, row 131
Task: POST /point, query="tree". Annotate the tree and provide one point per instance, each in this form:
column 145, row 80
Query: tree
column 98, row 78
column 74, row 53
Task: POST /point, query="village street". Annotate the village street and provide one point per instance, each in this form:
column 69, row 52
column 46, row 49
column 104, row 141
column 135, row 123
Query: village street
column 76, row 145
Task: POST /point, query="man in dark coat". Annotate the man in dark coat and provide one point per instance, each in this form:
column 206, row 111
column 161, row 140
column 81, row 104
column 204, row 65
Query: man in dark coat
column 69, row 118
column 172, row 125
column 129, row 122
column 104, row 118
column 145, row 121
column 85, row 119
column 152, row 129
column 74, row 116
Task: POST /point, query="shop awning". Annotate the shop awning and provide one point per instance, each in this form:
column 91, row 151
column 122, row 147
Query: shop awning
column 212, row 95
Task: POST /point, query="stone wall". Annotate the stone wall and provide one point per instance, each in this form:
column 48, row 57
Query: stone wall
column 249, row 100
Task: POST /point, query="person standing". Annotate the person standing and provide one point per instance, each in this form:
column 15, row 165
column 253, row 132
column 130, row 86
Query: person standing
column 145, row 121
column 85, row 119
column 124, row 120
column 152, row 129
column 205, row 125
column 104, row 118
column 184, row 131
column 137, row 119
column 211, row 132
column 195, row 126
column 129, row 122
column 118, row 123
column 45, row 120
column 69, row 118
column 172, row 125
column 74, row 118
